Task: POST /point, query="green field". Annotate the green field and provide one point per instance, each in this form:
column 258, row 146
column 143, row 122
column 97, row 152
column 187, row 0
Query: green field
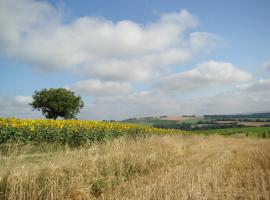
column 151, row 122
column 224, row 125
column 244, row 131
column 248, row 131
column 76, row 159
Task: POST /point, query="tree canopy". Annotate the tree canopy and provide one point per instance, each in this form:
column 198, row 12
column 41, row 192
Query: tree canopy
column 57, row 102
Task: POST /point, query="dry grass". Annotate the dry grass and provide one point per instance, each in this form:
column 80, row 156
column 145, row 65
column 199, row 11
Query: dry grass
column 168, row 167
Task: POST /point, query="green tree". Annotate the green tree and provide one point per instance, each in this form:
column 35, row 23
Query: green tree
column 57, row 103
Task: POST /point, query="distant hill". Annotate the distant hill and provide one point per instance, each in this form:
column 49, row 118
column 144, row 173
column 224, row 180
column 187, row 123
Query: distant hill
column 253, row 115
column 166, row 121
column 192, row 122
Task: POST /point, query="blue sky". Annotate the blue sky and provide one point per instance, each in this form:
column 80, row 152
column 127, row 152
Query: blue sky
column 137, row 58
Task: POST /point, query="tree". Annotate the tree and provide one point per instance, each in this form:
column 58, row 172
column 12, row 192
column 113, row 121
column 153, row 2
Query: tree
column 57, row 103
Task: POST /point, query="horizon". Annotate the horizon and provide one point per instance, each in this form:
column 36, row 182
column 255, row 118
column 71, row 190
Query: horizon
column 131, row 59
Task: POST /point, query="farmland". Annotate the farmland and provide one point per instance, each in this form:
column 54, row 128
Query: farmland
column 70, row 132
column 206, row 122
column 156, row 167
column 134, row 100
column 244, row 131
column 74, row 159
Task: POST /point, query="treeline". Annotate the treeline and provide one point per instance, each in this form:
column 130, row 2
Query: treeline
column 240, row 119
column 198, row 126
column 240, row 116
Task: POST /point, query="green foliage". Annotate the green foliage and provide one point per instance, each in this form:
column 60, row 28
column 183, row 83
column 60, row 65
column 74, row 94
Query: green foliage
column 243, row 116
column 263, row 132
column 70, row 132
column 57, row 103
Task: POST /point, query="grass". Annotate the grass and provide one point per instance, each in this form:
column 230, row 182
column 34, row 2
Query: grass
column 248, row 131
column 157, row 167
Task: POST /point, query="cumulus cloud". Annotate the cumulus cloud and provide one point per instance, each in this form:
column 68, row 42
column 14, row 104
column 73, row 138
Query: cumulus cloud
column 17, row 107
column 113, row 55
column 35, row 32
column 203, row 40
column 139, row 104
column 266, row 65
column 95, row 87
column 249, row 98
column 211, row 73
column 23, row 99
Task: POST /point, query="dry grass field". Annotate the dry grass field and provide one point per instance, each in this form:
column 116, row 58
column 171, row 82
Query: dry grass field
column 158, row 167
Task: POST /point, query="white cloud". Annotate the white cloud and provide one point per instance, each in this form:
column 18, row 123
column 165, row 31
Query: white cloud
column 137, row 69
column 253, row 97
column 34, row 32
column 17, row 107
column 250, row 98
column 111, row 56
column 266, row 65
column 23, row 99
column 260, row 86
column 138, row 104
column 203, row 40
column 95, row 87
column 207, row 74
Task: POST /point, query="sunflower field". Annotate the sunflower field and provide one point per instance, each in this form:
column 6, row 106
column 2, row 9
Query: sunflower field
column 71, row 132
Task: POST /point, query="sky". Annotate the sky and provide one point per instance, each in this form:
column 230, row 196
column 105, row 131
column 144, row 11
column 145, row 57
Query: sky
column 139, row 58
